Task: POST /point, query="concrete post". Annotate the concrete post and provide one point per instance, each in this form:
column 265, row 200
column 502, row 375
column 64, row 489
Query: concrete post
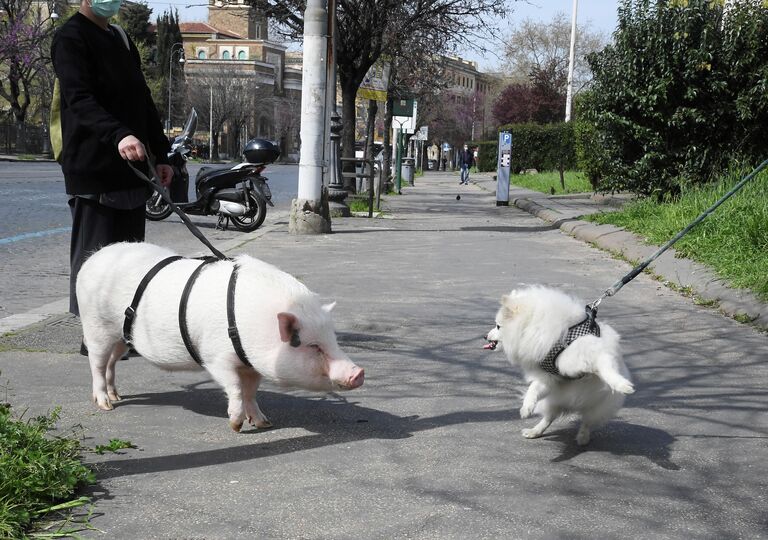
column 309, row 212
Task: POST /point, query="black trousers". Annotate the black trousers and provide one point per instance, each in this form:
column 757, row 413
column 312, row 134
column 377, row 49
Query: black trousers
column 95, row 226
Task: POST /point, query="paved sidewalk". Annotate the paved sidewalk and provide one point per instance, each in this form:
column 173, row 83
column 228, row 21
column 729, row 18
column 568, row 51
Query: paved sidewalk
column 430, row 446
column 565, row 211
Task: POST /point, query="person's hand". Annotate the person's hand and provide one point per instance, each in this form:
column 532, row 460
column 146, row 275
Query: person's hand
column 164, row 174
column 131, row 149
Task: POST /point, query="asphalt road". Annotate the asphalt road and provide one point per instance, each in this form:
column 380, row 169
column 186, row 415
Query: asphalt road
column 35, row 225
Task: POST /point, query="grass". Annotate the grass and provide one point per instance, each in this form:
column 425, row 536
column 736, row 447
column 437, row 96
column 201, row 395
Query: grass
column 40, row 474
column 549, row 182
column 733, row 241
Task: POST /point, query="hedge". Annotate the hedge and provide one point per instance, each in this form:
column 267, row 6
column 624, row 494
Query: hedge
column 547, row 147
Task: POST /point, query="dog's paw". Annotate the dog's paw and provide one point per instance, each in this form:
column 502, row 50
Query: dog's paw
column 624, row 387
column 526, row 410
column 531, row 433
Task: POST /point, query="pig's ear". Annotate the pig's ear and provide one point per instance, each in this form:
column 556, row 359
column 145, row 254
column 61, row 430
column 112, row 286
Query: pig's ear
column 328, row 307
column 289, row 325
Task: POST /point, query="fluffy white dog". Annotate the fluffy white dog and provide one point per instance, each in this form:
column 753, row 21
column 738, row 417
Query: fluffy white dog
column 573, row 367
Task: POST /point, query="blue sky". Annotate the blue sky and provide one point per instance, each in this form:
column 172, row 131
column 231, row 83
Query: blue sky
column 598, row 14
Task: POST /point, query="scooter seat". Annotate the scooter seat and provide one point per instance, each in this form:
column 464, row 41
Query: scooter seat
column 210, row 170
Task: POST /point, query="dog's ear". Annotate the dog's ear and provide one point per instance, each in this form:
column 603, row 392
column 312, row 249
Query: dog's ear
column 509, row 307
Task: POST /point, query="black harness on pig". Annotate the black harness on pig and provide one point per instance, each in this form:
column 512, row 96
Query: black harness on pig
column 234, row 335
column 130, row 312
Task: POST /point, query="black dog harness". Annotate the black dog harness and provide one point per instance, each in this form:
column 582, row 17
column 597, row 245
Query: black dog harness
column 586, row 327
column 234, row 335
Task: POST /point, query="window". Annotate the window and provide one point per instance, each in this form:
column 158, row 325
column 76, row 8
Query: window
column 225, row 55
column 201, row 54
column 241, row 55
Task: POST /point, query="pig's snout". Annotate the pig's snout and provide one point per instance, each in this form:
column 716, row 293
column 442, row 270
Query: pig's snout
column 356, row 378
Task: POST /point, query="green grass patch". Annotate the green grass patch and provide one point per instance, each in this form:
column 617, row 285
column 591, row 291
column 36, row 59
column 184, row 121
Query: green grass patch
column 39, row 474
column 549, row 182
column 113, row 446
column 733, row 241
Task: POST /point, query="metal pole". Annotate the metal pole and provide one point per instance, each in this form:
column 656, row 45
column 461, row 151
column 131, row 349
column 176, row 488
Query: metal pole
column 210, row 129
column 569, row 93
column 399, row 163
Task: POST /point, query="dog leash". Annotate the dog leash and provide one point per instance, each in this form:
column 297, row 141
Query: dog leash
column 616, row 287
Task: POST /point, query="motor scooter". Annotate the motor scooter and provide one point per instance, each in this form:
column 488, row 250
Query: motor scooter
column 234, row 192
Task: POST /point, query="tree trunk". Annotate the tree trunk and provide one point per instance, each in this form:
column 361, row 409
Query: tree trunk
column 386, row 166
column 215, row 152
column 349, row 123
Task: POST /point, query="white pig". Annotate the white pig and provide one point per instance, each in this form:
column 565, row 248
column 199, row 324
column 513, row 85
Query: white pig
column 270, row 306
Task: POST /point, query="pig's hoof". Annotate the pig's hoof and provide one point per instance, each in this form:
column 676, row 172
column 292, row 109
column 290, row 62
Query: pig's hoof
column 114, row 396
column 263, row 424
column 236, row 425
column 102, row 402
column 531, row 433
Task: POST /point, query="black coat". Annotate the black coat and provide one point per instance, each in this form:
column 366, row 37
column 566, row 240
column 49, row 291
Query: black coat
column 104, row 98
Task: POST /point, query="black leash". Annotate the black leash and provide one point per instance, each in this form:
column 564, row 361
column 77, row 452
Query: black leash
column 616, row 287
column 155, row 185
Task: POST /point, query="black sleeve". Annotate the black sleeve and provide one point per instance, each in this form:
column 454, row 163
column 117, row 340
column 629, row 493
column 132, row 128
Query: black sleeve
column 76, row 83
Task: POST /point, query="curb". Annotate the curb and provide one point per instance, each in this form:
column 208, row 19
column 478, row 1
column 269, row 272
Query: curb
column 679, row 272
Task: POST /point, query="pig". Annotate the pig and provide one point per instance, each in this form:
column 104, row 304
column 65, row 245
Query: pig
column 286, row 332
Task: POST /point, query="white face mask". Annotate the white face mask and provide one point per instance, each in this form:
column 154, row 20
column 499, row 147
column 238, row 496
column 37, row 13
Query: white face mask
column 105, row 8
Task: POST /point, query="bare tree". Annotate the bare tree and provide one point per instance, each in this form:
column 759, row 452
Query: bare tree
column 536, row 47
column 231, row 92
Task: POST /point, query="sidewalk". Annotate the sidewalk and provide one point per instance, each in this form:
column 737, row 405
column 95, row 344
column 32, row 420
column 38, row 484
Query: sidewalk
column 565, row 211
column 430, row 446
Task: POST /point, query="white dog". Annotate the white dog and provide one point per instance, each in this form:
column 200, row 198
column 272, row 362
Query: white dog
column 587, row 377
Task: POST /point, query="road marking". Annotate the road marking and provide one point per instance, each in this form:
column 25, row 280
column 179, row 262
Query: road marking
column 38, row 234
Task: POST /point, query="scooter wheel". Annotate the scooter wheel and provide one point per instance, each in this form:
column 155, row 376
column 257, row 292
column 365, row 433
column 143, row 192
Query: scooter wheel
column 159, row 211
column 253, row 219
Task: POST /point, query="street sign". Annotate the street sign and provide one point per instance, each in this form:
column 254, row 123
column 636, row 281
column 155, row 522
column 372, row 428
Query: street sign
column 374, row 85
column 502, row 168
column 422, row 134
column 404, row 107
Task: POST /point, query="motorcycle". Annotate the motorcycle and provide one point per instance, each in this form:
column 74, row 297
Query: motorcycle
column 235, row 192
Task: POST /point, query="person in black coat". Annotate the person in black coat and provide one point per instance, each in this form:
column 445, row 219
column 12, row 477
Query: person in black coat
column 466, row 160
column 107, row 118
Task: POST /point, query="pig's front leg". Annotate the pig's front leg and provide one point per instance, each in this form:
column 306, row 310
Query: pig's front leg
column 118, row 351
column 224, row 372
column 250, row 380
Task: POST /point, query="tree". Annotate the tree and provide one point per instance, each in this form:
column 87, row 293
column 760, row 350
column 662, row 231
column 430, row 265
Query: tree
column 25, row 32
column 368, row 29
column 515, row 104
column 535, row 46
column 233, row 96
column 679, row 95
column 168, row 34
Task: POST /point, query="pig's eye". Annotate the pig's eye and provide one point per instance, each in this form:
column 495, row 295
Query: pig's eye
column 498, row 327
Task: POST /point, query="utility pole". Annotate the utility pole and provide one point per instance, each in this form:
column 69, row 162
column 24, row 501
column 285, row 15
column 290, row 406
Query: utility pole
column 309, row 211
column 210, row 129
column 569, row 93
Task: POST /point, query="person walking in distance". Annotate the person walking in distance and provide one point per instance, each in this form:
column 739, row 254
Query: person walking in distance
column 466, row 160
column 107, row 118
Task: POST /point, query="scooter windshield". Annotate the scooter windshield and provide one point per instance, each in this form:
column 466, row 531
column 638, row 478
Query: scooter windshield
column 190, row 126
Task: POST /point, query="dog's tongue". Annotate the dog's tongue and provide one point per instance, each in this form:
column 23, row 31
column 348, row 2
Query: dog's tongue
column 489, row 346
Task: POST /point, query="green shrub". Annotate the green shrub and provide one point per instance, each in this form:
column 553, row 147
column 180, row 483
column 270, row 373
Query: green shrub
column 679, row 95
column 37, row 471
column 544, row 147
